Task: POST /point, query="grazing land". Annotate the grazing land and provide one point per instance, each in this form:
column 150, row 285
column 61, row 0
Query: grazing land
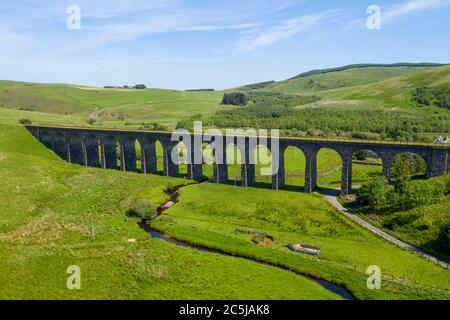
column 55, row 214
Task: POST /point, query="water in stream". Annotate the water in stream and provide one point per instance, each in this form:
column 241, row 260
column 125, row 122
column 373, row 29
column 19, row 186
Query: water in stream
column 342, row 292
column 173, row 192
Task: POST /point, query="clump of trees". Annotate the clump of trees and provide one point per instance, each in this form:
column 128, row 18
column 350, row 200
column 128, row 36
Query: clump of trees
column 235, row 99
column 376, row 194
column 407, row 165
column 438, row 96
column 271, row 110
column 405, row 194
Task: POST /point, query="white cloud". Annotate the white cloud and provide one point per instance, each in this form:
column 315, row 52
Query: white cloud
column 410, row 7
column 284, row 30
column 397, row 11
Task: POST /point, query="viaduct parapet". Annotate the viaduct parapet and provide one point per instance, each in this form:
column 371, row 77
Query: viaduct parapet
column 103, row 149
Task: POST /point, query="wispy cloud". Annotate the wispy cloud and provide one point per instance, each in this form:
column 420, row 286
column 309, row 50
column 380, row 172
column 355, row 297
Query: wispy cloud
column 400, row 10
column 285, row 30
column 409, row 7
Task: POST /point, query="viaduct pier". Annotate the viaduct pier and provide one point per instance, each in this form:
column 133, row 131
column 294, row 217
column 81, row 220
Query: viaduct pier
column 102, row 148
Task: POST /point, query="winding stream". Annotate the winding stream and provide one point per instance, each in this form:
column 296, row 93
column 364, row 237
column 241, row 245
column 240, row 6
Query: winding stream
column 173, row 193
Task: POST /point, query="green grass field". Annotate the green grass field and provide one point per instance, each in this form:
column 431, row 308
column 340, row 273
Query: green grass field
column 55, row 215
column 208, row 215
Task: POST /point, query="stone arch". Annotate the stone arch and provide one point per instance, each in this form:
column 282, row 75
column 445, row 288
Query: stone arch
column 294, row 173
column 167, row 147
column 332, row 167
column 235, row 161
column 159, row 151
column 207, row 161
column 217, row 164
column 147, row 155
column 127, row 146
column 264, row 165
column 46, row 137
column 183, row 159
column 92, row 150
column 60, row 145
column 138, row 147
column 75, row 149
column 366, row 164
column 414, row 164
column 110, row 147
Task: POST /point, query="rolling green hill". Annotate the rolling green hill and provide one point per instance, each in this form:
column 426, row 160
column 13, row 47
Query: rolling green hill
column 364, row 102
column 347, row 96
column 348, row 76
column 109, row 105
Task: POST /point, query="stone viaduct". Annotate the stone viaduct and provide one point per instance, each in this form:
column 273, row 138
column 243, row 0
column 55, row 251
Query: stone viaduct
column 99, row 148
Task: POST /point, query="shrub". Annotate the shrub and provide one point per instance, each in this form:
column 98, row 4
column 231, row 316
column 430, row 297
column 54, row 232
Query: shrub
column 421, row 193
column 25, row 121
column 142, row 209
column 377, row 194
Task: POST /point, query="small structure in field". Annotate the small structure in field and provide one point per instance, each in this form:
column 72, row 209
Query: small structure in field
column 304, row 248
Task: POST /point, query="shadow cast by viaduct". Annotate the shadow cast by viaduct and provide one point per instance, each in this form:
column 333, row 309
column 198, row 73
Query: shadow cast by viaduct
column 101, row 148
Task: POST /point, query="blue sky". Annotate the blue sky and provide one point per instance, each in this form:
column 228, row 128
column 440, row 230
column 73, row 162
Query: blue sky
column 184, row 44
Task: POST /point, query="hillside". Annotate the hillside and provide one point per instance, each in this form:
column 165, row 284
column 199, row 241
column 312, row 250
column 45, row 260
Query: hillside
column 341, row 101
column 348, row 76
column 397, row 90
column 109, row 105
